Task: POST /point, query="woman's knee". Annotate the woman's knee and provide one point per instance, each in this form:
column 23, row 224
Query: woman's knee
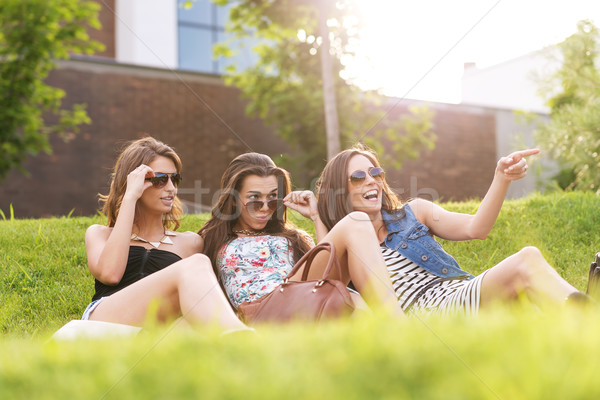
column 357, row 216
column 194, row 265
column 199, row 265
column 199, row 259
column 355, row 220
column 529, row 262
column 530, row 254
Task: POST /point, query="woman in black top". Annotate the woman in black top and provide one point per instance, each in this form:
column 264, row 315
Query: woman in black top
column 137, row 261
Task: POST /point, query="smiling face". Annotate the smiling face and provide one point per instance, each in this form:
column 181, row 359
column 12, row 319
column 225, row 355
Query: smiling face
column 365, row 195
column 256, row 188
column 157, row 199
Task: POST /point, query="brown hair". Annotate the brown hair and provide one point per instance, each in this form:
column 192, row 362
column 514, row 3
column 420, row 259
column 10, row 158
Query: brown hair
column 141, row 151
column 218, row 230
column 333, row 201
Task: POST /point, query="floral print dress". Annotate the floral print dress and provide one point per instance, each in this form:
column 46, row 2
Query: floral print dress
column 251, row 267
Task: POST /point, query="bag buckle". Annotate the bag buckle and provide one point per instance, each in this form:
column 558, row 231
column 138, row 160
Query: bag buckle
column 285, row 281
column 318, row 285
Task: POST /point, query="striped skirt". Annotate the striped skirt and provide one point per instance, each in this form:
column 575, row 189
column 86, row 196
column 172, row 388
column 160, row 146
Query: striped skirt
column 420, row 291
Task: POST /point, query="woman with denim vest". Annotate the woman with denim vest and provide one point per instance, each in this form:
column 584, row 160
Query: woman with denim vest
column 425, row 277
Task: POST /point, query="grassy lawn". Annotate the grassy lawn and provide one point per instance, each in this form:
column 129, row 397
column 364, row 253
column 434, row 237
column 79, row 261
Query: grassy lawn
column 513, row 353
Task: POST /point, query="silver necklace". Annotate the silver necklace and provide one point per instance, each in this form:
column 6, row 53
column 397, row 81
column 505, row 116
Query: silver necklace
column 165, row 239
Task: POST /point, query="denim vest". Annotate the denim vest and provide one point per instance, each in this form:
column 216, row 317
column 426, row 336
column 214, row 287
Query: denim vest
column 411, row 239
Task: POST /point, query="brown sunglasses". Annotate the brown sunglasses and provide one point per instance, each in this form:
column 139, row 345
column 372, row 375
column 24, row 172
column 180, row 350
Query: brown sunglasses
column 358, row 177
column 160, row 179
column 254, row 206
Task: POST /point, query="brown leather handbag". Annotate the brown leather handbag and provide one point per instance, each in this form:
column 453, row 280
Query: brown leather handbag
column 303, row 300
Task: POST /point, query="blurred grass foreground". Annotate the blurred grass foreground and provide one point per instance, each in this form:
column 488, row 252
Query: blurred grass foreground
column 510, row 353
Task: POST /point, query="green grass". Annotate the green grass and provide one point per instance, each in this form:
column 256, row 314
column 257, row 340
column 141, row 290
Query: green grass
column 516, row 353
column 565, row 227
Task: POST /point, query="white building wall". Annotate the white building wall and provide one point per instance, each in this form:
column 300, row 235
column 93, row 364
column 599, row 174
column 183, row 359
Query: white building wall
column 510, row 85
column 146, row 32
column 514, row 132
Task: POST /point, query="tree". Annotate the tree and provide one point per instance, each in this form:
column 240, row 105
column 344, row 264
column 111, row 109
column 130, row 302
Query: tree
column 33, row 34
column 285, row 87
column 572, row 136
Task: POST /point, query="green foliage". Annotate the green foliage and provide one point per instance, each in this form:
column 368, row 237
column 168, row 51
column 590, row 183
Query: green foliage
column 512, row 353
column 572, row 136
column 33, row 34
column 285, row 87
column 394, row 148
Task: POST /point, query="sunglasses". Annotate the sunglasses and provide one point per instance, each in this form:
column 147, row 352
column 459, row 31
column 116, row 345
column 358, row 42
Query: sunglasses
column 254, row 206
column 160, row 179
column 358, row 177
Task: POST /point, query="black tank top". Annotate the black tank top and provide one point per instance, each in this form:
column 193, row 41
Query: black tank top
column 140, row 263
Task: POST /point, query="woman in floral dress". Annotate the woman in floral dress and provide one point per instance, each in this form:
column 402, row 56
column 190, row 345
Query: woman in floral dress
column 253, row 247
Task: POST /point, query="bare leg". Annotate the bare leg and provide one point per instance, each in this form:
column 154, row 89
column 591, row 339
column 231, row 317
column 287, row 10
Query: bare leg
column 358, row 251
column 188, row 288
column 525, row 272
column 359, row 304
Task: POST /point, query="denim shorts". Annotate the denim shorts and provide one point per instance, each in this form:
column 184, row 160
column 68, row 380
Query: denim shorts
column 91, row 307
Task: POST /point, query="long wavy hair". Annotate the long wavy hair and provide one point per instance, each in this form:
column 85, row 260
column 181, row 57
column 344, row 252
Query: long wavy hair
column 333, row 201
column 218, row 230
column 141, row 151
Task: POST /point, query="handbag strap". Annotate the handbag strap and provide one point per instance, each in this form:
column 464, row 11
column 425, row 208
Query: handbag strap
column 309, row 257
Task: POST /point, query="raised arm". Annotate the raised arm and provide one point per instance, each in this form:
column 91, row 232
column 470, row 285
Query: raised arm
column 305, row 202
column 458, row 226
column 107, row 249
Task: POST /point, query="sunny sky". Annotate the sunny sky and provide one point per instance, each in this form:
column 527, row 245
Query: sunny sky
column 417, row 49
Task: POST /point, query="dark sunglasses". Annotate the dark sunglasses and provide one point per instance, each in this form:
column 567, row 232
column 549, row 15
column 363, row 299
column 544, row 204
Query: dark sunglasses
column 160, row 179
column 358, row 177
column 254, row 206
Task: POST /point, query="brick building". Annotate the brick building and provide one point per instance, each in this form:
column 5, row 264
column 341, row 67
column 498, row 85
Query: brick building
column 204, row 121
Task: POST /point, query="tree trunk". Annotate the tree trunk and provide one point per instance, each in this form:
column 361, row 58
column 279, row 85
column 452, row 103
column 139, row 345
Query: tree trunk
column 331, row 118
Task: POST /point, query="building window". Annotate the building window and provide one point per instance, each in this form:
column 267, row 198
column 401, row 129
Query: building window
column 199, row 28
